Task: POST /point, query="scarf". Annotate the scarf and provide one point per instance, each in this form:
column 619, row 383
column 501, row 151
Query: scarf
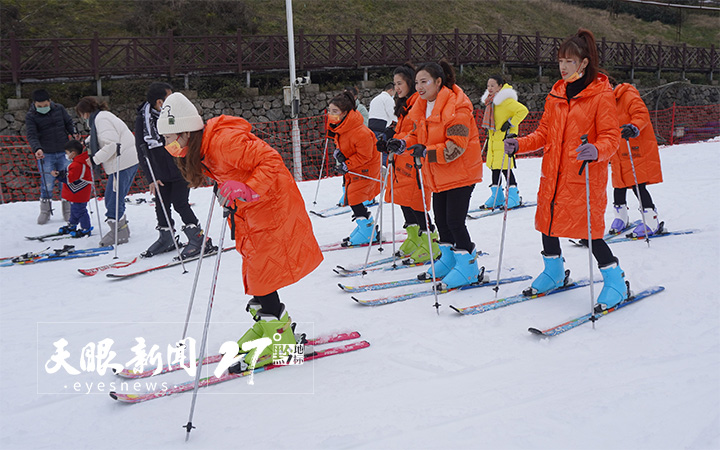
column 488, row 120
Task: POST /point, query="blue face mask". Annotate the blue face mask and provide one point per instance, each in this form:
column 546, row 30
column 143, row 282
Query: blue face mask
column 43, row 109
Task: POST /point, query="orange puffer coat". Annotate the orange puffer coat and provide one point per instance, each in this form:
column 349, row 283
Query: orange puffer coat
column 357, row 143
column 273, row 234
column 454, row 154
column 405, row 184
column 562, row 209
column 646, row 158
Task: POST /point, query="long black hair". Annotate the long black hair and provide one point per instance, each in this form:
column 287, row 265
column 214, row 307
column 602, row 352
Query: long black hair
column 407, row 72
column 441, row 69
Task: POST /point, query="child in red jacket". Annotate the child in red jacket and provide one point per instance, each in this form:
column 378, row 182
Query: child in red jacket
column 77, row 181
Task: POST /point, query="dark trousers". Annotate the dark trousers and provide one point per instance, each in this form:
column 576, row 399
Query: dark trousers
column 79, row 215
column 175, row 194
column 620, row 196
column 450, row 208
column 270, row 303
column 413, row 217
column 360, row 210
column 496, row 177
column 601, row 250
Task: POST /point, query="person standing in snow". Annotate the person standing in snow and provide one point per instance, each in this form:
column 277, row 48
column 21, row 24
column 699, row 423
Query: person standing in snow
column 637, row 129
column 355, row 151
column 445, row 138
column 169, row 184
column 407, row 193
column 271, row 228
column 503, row 114
column 581, row 103
column 76, row 189
column 106, row 131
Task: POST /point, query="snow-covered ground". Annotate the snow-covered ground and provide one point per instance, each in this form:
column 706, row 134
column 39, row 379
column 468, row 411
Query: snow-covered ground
column 647, row 377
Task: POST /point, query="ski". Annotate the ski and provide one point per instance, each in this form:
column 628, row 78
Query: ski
column 608, row 236
column 569, row 325
column 375, row 266
column 491, row 212
column 27, row 255
column 661, row 233
column 389, row 284
column 150, row 371
column 67, row 252
column 211, row 380
column 44, row 237
column 174, row 262
column 343, row 245
column 429, row 292
column 117, row 265
column 507, row 301
column 336, row 210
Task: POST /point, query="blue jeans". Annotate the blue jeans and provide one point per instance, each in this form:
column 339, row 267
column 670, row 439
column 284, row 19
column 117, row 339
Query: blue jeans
column 79, row 215
column 52, row 161
column 126, row 177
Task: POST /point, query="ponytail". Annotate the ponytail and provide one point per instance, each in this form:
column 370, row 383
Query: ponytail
column 582, row 45
column 442, row 70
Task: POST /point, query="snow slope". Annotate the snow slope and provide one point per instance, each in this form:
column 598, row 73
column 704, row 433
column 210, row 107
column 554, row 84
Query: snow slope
column 647, row 377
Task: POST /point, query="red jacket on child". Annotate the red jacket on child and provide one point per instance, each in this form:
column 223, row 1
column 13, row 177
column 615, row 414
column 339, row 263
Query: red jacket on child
column 77, row 186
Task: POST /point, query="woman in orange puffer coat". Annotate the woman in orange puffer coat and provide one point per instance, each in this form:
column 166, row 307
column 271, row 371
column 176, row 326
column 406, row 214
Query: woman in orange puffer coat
column 582, row 103
column 272, row 230
column 637, row 130
column 359, row 161
column 446, row 139
column 404, row 189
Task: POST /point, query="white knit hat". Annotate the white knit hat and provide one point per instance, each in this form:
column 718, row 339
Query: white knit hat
column 178, row 115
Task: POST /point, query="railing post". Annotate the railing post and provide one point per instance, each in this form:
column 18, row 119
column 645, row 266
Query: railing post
column 15, row 58
column 358, row 52
column 95, row 52
column 408, row 45
column 684, row 62
column 300, row 58
column 171, row 52
column 457, row 47
column 632, row 59
column 500, row 50
column 712, row 60
column 238, row 51
column 672, row 126
column 603, row 51
column 660, row 55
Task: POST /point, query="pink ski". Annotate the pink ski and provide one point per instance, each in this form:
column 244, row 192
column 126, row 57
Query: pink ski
column 116, row 265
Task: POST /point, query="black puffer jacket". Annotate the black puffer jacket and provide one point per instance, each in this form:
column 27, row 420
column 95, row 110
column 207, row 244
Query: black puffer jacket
column 50, row 131
column 147, row 140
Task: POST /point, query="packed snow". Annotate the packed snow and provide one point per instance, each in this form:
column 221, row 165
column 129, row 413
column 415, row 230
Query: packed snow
column 645, row 377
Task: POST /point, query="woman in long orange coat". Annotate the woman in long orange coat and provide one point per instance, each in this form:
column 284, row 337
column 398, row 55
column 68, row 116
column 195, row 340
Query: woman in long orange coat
column 581, row 103
column 445, row 138
column 637, row 131
column 272, row 230
column 358, row 160
column 405, row 190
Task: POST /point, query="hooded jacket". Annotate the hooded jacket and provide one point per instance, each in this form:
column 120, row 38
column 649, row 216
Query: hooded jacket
column 78, row 180
column 357, row 144
column 507, row 107
column 50, row 131
column 110, row 131
column 562, row 208
column 451, row 137
column 149, row 142
column 273, row 234
column 405, row 184
column 645, row 156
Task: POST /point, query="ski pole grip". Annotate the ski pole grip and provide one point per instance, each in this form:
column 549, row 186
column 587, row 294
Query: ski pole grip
column 584, row 140
column 117, row 149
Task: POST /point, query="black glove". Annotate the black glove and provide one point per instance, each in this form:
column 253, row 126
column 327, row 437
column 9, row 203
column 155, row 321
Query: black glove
column 629, row 131
column 341, row 168
column 418, row 150
column 506, row 126
column 339, row 157
column 381, row 145
column 396, row 146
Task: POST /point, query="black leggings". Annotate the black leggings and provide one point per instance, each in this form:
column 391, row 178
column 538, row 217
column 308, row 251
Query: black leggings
column 620, row 196
column 601, row 250
column 496, row 177
column 413, row 217
column 270, row 303
column 450, row 208
column 175, row 194
column 360, row 210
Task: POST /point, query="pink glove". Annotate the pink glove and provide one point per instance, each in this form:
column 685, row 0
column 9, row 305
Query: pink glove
column 232, row 190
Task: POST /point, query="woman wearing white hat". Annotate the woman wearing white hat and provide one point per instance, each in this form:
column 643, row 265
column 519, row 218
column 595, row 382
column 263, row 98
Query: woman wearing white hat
column 272, row 230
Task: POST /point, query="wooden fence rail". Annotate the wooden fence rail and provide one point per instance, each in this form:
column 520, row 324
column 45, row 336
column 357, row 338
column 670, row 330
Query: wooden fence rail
column 23, row 60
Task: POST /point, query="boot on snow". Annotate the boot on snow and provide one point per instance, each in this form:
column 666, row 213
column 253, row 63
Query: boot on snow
column 195, row 237
column 67, row 229
column 422, row 254
column 65, row 210
column 615, row 288
column 123, row 232
column 651, row 220
column 363, row 233
column 164, row 243
column 45, row 211
column 496, row 199
column 411, row 243
column 278, row 329
column 514, row 199
column 465, row 271
column 552, row 277
column 621, row 219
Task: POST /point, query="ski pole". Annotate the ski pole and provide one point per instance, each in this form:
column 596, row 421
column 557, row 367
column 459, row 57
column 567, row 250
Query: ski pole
column 165, row 211
column 418, row 167
column 504, row 226
column 378, row 214
column 364, row 176
column 116, row 186
column 199, row 265
column 391, row 169
column 189, row 426
column 94, row 191
column 42, row 178
column 322, row 166
column 589, row 227
column 637, row 190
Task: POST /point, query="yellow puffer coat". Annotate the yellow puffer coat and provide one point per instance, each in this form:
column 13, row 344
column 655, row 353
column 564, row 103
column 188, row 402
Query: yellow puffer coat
column 507, row 107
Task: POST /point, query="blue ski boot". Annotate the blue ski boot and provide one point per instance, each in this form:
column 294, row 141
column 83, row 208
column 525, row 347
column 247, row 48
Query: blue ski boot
column 67, row 229
column 465, row 272
column 443, row 265
column 552, row 277
column 513, row 197
column 615, row 288
column 364, row 231
column 496, row 199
